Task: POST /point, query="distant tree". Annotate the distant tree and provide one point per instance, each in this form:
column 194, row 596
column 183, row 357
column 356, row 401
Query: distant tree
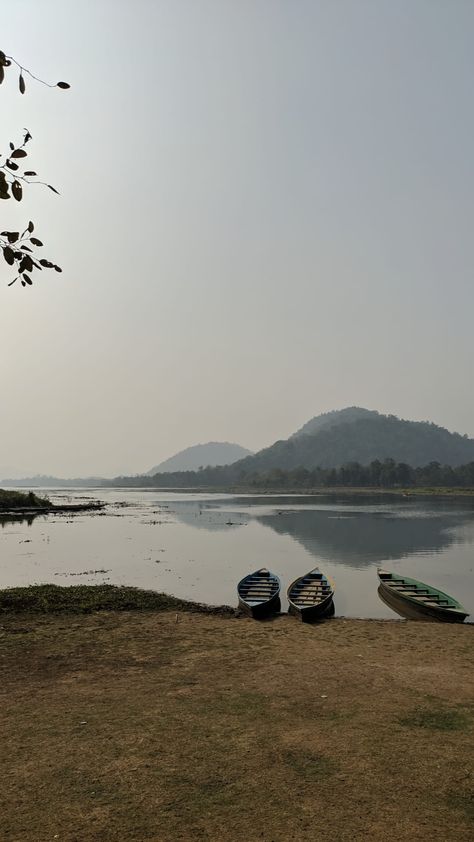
column 20, row 249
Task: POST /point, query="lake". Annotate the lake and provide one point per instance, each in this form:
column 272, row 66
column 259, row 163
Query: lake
column 197, row 546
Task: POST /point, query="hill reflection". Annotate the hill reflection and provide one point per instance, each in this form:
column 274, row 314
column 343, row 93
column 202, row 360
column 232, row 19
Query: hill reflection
column 357, row 537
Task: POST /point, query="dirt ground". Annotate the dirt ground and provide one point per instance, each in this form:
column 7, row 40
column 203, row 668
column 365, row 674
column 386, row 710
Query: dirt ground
column 136, row 727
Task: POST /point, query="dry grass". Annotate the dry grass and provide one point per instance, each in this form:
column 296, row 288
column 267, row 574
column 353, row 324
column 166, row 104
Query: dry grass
column 134, row 727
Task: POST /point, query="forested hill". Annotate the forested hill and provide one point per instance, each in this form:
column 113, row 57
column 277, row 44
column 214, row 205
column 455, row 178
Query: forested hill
column 334, row 418
column 201, row 455
column 363, row 440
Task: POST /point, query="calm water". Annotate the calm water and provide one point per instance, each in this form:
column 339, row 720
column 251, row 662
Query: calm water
column 199, row 546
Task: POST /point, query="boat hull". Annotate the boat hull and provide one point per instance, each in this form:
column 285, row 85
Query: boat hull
column 262, row 610
column 415, row 609
column 259, row 594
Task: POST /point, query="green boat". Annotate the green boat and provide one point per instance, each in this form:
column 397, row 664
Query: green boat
column 414, row 599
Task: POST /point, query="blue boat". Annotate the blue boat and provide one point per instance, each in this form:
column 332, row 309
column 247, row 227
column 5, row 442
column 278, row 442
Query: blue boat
column 259, row 594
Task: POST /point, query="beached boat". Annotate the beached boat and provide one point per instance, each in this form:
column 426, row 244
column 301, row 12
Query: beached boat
column 414, row 599
column 259, row 593
column 310, row 597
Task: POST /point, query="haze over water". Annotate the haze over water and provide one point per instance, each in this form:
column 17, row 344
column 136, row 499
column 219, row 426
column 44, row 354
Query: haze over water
column 197, row 546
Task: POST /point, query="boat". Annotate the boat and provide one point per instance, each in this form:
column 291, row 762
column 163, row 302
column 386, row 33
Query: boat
column 259, row 594
column 415, row 600
column 311, row 596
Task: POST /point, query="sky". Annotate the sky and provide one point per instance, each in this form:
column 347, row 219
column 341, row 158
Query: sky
column 266, row 213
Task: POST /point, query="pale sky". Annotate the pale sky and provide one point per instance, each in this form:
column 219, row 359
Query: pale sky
column 266, row 213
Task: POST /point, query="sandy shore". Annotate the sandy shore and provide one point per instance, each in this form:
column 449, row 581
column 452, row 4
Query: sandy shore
column 166, row 726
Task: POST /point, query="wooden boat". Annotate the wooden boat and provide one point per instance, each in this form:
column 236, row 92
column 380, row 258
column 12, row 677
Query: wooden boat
column 310, row 597
column 259, row 593
column 416, row 600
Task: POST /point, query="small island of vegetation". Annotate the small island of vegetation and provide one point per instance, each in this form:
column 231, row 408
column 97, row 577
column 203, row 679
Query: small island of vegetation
column 22, row 501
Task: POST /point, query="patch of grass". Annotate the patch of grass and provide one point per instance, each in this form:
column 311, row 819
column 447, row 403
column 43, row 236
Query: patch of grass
column 308, row 765
column 84, row 599
column 437, row 720
column 10, row 500
column 463, row 801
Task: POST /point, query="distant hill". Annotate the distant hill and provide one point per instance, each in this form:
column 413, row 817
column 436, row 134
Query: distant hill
column 201, row 455
column 361, row 435
column 43, row 481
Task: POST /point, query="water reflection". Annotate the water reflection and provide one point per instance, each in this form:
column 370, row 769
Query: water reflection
column 355, row 536
column 20, row 519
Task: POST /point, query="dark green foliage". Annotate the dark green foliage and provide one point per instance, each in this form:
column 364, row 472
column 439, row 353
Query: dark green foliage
column 387, row 474
column 83, row 599
column 10, row 500
column 437, row 720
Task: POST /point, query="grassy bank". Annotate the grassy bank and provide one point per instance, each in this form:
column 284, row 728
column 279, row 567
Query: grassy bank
column 12, row 500
column 134, row 726
column 84, row 599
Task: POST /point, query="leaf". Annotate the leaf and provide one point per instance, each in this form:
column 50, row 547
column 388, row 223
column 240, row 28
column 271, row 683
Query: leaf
column 12, row 282
column 27, row 279
column 12, row 146
column 58, row 268
column 54, row 189
column 12, row 236
column 21, row 83
column 2, row 57
column 26, row 263
column 31, row 227
column 26, row 248
column 30, row 172
column 35, row 241
column 46, row 263
column 19, row 153
column 9, row 255
column 63, row 85
column 17, row 191
column 2, row 73
column 11, row 165
column 4, row 194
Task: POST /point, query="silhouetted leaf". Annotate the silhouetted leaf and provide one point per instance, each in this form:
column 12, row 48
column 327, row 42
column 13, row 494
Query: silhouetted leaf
column 31, row 227
column 25, row 248
column 58, row 268
column 18, row 153
column 35, row 241
column 21, row 83
column 12, row 282
column 9, row 255
column 2, row 73
column 12, row 236
column 27, row 279
column 26, row 264
column 30, row 172
column 53, row 189
column 46, row 263
column 17, row 190
column 63, row 85
column 11, row 165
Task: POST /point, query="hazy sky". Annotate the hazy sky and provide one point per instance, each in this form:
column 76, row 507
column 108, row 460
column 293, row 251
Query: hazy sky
column 266, row 213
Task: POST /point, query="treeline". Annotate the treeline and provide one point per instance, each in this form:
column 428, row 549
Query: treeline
column 386, row 474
